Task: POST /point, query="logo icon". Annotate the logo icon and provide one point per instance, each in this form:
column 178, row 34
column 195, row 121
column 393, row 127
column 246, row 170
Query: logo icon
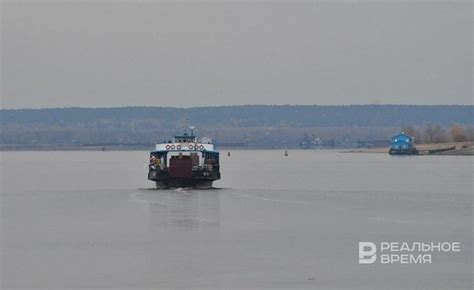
column 367, row 252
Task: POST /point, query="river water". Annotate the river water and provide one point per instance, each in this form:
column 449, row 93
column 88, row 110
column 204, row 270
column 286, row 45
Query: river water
column 92, row 220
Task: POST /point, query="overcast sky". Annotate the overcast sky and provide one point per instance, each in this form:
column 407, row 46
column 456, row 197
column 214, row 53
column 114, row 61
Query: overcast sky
column 119, row 53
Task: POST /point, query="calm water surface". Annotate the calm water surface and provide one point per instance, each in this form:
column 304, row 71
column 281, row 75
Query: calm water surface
column 92, row 220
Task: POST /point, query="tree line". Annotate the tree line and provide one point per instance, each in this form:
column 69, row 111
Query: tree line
column 435, row 133
column 258, row 126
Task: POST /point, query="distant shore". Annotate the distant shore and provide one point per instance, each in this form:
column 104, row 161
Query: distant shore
column 115, row 147
column 461, row 148
column 55, row 147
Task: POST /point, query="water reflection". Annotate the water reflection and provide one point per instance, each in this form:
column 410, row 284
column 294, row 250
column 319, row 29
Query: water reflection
column 180, row 209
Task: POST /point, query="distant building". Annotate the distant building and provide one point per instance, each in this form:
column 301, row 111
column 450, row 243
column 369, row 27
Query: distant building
column 314, row 142
column 402, row 144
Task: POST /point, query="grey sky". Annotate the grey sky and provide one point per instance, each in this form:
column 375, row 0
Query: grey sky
column 111, row 53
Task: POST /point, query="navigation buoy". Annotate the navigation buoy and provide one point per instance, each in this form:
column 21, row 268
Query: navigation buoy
column 228, row 153
column 286, row 152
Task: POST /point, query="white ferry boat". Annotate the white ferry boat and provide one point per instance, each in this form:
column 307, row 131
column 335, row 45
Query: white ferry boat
column 185, row 161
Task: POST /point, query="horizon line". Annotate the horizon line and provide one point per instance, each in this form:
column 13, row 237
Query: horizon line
column 227, row 106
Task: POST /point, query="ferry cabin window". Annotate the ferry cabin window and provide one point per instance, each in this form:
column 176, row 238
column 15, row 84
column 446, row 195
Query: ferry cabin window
column 183, row 139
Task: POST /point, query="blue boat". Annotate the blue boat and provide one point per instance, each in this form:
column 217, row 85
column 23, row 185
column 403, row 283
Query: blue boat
column 402, row 144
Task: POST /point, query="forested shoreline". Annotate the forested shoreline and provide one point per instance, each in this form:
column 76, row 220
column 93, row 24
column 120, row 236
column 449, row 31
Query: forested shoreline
column 258, row 126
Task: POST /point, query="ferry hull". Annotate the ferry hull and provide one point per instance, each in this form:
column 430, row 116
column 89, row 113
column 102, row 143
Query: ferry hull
column 198, row 179
column 411, row 151
column 199, row 184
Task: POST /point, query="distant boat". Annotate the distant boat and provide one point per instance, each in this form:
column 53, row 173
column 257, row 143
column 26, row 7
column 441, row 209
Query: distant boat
column 402, row 144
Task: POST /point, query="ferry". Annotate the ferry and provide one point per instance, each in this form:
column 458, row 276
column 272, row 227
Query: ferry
column 185, row 161
column 402, row 144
